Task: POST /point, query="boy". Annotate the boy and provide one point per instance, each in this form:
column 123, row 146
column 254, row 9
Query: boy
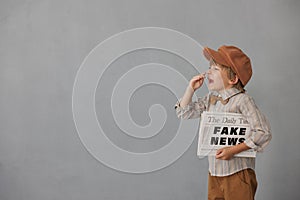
column 230, row 70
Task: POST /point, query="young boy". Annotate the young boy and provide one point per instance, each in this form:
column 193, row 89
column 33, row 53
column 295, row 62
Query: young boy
column 230, row 70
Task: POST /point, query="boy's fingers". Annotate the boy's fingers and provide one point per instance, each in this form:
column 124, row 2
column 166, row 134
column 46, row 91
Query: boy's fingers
column 219, row 156
column 195, row 78
column 200, row 76
column 219, row 151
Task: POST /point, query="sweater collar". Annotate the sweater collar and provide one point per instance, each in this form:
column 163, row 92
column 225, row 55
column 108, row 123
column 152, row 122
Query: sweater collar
column 226, row 94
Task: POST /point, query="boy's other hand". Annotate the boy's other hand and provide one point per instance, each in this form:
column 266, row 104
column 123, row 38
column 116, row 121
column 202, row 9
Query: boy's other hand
column 197, row 81
column 225, row 153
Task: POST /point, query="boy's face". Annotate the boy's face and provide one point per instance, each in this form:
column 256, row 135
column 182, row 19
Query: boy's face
column 217, row 77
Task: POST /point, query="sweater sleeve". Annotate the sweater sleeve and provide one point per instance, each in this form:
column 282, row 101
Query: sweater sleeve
column 193, row 109
column 260, row 131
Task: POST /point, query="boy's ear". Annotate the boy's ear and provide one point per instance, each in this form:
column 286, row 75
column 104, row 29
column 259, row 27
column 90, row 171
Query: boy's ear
column 234, row 80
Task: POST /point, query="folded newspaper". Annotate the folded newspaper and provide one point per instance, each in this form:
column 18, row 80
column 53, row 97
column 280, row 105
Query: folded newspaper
column 218, row 130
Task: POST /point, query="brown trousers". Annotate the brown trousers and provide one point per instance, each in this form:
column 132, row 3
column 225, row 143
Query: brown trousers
column 238, row 186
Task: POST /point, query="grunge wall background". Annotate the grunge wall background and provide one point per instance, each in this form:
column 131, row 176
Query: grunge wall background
column 42, row 45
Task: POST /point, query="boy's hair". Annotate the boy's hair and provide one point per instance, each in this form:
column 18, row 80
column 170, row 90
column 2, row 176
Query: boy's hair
column 231, row 75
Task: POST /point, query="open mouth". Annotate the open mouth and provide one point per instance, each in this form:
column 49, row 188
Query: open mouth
column 210, row 80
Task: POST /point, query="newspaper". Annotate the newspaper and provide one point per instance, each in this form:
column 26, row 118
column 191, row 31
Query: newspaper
column 218, row 130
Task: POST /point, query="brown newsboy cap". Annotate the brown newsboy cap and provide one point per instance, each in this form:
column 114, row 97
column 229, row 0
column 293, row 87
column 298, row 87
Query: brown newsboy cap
column 232, row 57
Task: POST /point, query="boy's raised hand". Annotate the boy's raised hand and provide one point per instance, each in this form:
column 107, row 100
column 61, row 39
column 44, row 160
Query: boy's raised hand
column 197, row 81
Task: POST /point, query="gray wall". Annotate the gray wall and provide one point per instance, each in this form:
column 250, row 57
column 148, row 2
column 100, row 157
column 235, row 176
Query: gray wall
column 42, row 45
